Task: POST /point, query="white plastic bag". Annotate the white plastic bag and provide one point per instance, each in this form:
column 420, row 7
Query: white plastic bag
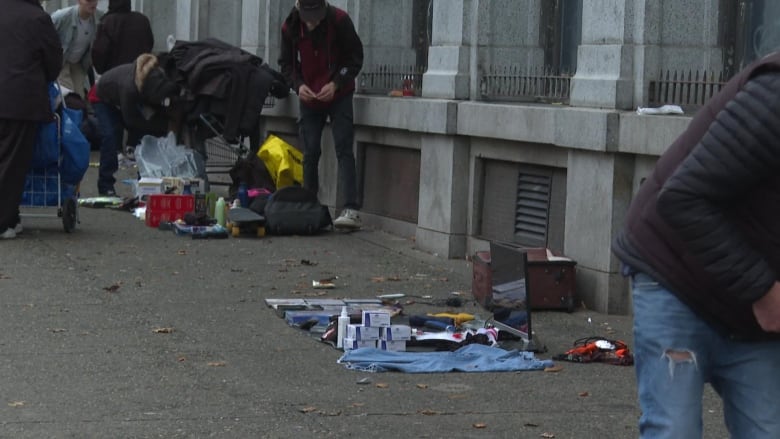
column 162, row 157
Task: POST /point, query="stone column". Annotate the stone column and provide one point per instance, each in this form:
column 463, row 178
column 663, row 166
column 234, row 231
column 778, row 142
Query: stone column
column 448, row 57
column 443, row 208
column 605, row 59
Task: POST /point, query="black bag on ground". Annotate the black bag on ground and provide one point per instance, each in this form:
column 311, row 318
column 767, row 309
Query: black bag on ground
column 294, row 210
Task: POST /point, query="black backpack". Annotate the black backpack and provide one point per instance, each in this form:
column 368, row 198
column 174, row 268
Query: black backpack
column 294, row 210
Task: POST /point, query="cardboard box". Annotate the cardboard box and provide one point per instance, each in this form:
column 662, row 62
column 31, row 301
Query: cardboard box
column 376, row 318
column 148, row 186
column 388, row 345
column 350, row 344
column 362, row 333
column 395, row 333
column 175, row 185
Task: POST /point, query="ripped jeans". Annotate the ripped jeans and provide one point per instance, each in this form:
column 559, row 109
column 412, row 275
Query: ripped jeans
column 676, row 353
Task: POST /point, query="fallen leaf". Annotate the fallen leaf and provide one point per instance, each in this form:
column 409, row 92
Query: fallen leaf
column 216, row 364
column 4, row 276
column 112, row 288
column 308, row 262
column 382, row 385
column 530, row 424
column 163, row 330
column 364, row 381
column 308, row 409
column 181, row 359
column 556, row 368
column 181, row 252
column 584, row 394
column 58, row 330
column 547, row 435
column 358, row 404
column 479, row 425
column 422, row 386
column 428, row 412
column 16, row 404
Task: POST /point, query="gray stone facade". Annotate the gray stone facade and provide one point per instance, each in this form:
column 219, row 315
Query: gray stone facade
column 597, row 141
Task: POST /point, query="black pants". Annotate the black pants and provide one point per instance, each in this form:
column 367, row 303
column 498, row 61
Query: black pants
column 17, row 139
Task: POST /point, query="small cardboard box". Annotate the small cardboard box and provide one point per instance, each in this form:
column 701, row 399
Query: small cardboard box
column 376, row 318
column 395, row 333
column 149, row 186
column 362, row 333
column 175, row 185
column 388, row 345
column 350, row 344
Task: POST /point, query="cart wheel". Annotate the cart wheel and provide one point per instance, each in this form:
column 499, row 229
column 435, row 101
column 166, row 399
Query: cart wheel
column 235, row 231
column 69, row 214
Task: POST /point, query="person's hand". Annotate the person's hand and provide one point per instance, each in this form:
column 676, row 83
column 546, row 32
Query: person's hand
column 306, row 94
column 327, row 92
column 767, row 309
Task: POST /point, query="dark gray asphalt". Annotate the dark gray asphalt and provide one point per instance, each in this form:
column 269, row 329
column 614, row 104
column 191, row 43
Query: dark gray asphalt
column 80, row 358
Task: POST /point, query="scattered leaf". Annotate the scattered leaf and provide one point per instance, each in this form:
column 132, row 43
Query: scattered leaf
column 364, row 381
column 552, row 369
column 163, row 330
column 547, row 435
column 357, row 404
column 479, row 425
column 216, row 364
column 428, row 412
column 58, row 330
column 308, row 409
column 584, row 394
column 181, row 252
column 112, row 288
column 181, row 359
column 382, row 385
column 16, row 404
column 530, row 424
column 422, row 386
column 4, row 276
column 308, row 262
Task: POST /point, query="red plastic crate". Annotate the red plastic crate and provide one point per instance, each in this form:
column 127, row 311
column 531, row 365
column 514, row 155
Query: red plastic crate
column 162, row 207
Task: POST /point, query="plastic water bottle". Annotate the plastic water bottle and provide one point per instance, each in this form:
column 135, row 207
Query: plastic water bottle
column 243, row 195
column 342, row 327
column 219, row 211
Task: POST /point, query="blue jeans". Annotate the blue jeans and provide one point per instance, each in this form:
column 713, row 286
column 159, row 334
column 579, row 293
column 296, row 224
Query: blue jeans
column 311, row 124
column 676, row 353
column 111, row 128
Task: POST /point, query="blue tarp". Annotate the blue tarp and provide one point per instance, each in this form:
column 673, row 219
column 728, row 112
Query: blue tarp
column 469, row 358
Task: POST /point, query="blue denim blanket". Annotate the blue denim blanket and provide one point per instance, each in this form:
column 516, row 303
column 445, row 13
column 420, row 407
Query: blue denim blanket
column 469, row 358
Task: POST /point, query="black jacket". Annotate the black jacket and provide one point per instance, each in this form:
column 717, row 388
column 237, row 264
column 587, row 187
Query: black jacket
column 706, row 223
column 122, row 36
column 118, row 87
column 30, row 58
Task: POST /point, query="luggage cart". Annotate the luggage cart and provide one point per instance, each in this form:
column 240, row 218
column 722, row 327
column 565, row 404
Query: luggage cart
column 43, row 188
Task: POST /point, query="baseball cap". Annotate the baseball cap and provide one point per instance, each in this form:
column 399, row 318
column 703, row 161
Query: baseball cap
column 312, row 10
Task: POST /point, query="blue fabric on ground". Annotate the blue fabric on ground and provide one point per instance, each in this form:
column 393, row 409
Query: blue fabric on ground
column 469, row 358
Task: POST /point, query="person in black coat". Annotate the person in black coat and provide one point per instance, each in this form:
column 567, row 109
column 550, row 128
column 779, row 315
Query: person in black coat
column 134, row 96
column 30, row 58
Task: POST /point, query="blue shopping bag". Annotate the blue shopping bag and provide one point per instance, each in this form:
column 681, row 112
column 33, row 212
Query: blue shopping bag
column 46, row 150
column 75, row 147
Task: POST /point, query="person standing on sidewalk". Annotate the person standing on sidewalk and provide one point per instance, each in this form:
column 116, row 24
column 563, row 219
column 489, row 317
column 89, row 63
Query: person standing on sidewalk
column 321, row 54
column 122, row 36
column 30, row 58
column 702, row 247
column 77, row 25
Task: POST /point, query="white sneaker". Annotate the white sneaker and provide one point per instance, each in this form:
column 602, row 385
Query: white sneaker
column 349, row 219
column 18, row 228
column 8, row 234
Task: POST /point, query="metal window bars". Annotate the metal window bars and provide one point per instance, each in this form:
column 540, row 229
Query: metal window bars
column 690, row 90
column 385, row 78
column 524, row 84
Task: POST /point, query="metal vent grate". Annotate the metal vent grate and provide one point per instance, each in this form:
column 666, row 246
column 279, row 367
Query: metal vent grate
column 533, row 209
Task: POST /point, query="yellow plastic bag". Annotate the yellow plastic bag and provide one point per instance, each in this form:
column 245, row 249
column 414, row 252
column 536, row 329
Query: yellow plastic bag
column 283, row 161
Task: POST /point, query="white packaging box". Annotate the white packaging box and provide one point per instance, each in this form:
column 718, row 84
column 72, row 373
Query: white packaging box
column 395, row 333
column 362, row 333
column 376, row 318
column 149, row 186
column 350, row 344
column 387, row 345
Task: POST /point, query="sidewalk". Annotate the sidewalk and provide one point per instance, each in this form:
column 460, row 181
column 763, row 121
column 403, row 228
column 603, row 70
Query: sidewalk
column 118, row 330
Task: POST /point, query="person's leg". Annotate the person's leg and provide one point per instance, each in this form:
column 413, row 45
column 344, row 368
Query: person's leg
column 111, row 133
column 16, row 150
column 310, row 127
column 79, row 77
column 342, row 125
column 745, row 376
column 66, row 78
column 671, row 353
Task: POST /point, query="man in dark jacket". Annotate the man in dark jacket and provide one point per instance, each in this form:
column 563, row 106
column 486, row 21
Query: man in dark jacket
column 30, row 58
column 135, row 96
column 321, row 53
column 702, row 246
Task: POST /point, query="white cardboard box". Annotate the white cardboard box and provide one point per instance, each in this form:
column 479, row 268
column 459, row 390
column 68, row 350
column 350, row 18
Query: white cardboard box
column 376, row 318
column 362, row 333
column 386, row 345
column 149, row 186
column 350, row 344
column 395, row 333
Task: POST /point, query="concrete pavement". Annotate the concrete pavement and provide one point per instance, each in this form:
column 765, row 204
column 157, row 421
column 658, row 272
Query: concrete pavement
column 81, row 357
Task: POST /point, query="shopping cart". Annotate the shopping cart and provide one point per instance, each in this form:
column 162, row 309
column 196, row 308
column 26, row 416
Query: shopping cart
column 44, row 187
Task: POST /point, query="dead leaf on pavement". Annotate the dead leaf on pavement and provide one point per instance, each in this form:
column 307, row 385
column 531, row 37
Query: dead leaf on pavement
column 216, row 364
column 58, row 330
column 428, row 412
column 555, row 368
column 479, row 425
column 422, row 386
column 308, row 409
column 16, row 404
column 163, row 330
column 382, row 385
column 530, row 424
column 358, row 404
column 112, row 288
column 547, row 435
column 4, row 276
column 181, row 359
column 181, row 252
column 584, row 394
